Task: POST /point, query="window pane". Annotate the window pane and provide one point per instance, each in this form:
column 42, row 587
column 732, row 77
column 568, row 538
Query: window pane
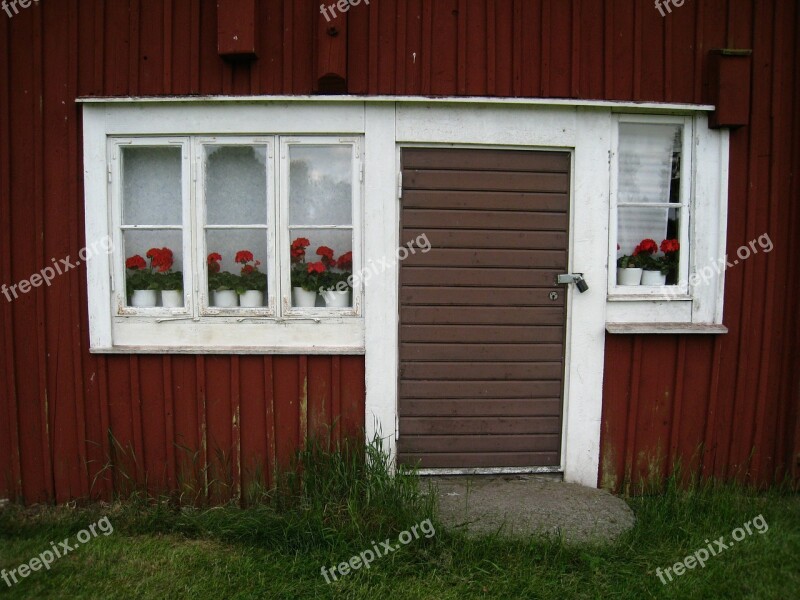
column 635, row 224
column 151, row 193
column 320, row 185
column 647, row 156
column 236, row 185
column 139, row 243
column 228, row 242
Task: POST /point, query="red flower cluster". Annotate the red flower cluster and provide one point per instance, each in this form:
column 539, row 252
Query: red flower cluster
column 244, row 257
column 327, row 256
column 646, row 246
column 213, row 261
column 316, row 267
column 135, row 263
column 299, row 249
column 668, row 246
column 345, row 261
column 161, row 259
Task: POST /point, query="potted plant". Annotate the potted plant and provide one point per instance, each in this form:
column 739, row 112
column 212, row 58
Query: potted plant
column 143, row 279
column 651, row 264
column 669, row 261
column 142, row 290
column 629, row 271
column 304, row 278
column 252, row 282
column 170, row 283
column 336, row 283
column 221, row 284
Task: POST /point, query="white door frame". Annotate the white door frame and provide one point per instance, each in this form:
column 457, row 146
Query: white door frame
column 582, row 132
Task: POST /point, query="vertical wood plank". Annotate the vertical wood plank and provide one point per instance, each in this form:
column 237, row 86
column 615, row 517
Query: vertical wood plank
column 269, row 416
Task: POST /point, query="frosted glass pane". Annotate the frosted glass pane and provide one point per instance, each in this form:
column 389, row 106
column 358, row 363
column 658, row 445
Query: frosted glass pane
column 320, row 185
column 227, row 242
column 236, row 185
column 339, row 240
column 645, row 161
column 637, row 223
column 151, row 185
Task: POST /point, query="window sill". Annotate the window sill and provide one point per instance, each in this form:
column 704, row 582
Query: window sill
column 656, row 295
column 679, row 328
column 249, row 336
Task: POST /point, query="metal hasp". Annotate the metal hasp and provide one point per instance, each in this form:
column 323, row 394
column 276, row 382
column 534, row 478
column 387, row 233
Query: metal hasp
column 576, row 278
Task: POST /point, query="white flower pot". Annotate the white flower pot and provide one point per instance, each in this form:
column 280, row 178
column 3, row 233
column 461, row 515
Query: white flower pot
column 303, row 299
column 225, row 299
column 251, row 299
column 631, row 276
column 653, row 278
column 144, row 298
column 336, row 298
column 172, row 298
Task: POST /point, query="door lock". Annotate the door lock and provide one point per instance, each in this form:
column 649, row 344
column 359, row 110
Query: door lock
column 576, row 278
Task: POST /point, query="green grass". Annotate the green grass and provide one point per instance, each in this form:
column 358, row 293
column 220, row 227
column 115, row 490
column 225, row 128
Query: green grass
column 340, row 504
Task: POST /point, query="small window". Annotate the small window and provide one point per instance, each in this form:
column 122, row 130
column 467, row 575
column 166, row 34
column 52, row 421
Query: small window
column 650, row 203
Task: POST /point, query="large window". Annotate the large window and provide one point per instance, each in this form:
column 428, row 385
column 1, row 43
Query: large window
column 228, row 232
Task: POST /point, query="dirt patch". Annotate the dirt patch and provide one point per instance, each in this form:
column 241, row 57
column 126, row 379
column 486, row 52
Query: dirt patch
column 519, row 506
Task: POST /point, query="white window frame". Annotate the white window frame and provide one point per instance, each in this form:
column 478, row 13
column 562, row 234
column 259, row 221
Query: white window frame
column 679, row 291
column 695, row 303
column 118, row 275
column 286, row 238
column 200, row 228
column 197, row 327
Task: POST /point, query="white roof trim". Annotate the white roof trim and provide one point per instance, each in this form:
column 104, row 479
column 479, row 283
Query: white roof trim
column 564, row 102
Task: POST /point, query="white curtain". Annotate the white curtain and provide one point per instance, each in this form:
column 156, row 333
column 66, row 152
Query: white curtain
column 645, row 170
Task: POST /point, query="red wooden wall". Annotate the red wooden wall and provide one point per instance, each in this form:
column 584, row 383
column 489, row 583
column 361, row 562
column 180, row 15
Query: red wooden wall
column 736, row 396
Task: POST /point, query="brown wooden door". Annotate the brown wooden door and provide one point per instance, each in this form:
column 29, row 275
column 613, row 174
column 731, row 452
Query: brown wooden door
column 481, row 337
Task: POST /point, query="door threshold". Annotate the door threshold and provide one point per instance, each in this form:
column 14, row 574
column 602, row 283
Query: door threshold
column 491, row 471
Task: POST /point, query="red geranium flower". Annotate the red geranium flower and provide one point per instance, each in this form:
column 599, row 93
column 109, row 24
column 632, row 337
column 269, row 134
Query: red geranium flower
column 327, row 256
column 160, row 259
column 345, row 261
column 243, row 256
column 647, row 246
column 247, row 269
column 135, row 262
column 316, row 267
column 298, row 249
column 668, row 246
column 163, row 260
column 213, row 261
